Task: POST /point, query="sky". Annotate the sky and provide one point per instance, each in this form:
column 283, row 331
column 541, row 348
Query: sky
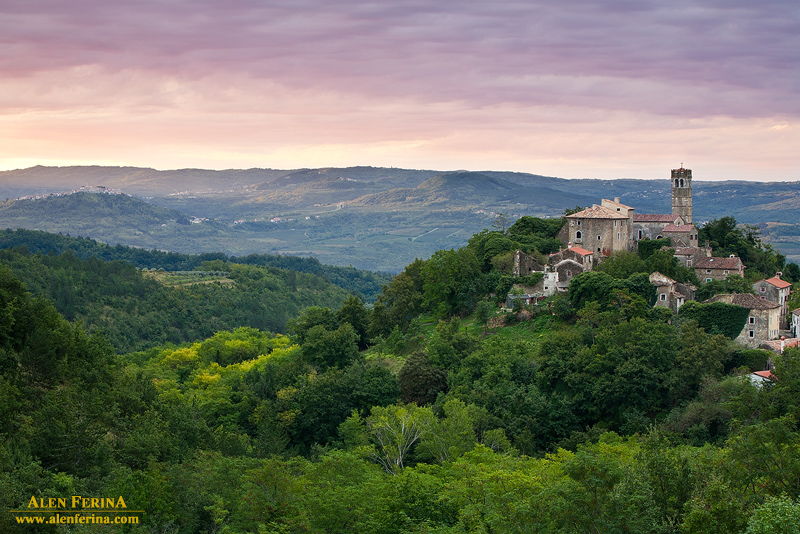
column 574, row 89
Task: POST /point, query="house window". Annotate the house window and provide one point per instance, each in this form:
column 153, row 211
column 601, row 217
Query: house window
column 663, row 296
column 752, row 320
column 688, row 263
column 751, row 334
column 726, row 271
column 598, row 238
column 578, row 234
column 708, row 271
column 708, row 279
column 640, row 234
column 763, row 289
column 617, row 236
column 579, row 223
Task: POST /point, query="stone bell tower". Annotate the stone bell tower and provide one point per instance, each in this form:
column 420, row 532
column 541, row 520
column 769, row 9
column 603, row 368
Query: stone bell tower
column 682, row 194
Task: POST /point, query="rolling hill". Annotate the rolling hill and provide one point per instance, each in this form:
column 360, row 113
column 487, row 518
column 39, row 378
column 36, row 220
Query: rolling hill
column 368, row 217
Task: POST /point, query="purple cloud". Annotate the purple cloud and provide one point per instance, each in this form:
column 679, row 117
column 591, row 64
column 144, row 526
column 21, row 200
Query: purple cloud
column 680, row 60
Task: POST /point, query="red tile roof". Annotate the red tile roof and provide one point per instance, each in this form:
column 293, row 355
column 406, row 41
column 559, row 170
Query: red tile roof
column 777, row 282
column 775, row 344
column 685, row 251
column 765, row 374
column 654, row 217
column 581, row 251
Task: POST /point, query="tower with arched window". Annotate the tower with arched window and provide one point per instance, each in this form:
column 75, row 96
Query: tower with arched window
column 682, row 194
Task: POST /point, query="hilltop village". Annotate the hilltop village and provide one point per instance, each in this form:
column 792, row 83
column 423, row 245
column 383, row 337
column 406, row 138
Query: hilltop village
column 594, row 234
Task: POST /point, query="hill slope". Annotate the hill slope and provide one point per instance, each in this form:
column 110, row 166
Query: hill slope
column 368, row 217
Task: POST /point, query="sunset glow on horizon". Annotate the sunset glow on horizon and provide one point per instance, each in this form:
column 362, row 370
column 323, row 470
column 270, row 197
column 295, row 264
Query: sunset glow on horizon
column 588, row 89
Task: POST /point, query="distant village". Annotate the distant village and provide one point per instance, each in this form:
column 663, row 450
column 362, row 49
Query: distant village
column 82, row 189
column 593, row 234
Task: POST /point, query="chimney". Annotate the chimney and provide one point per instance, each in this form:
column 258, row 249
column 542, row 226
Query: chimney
column 616, row 199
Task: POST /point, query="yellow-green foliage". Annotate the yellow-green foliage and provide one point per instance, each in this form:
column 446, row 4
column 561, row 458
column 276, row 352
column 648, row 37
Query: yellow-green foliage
column 202, row 371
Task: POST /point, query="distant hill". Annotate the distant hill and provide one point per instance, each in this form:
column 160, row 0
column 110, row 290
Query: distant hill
column 369, row 217
column 471, row 189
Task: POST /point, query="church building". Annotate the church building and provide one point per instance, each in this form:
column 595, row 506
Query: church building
column 612, row 226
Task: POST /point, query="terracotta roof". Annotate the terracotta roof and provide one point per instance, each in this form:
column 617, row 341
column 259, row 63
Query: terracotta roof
column 775, row 344
column 765, row 374
column 681, row 228
column 685, row 251
column 796, row 312
column 581, row 251
column 597, row 212
column 654, row 217
column 734, row 263
column 615, row 203
column 777, row 282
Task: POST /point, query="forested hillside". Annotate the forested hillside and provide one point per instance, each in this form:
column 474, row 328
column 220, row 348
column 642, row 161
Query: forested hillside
column 365, row 284
column 433, row 411
column 134, row 311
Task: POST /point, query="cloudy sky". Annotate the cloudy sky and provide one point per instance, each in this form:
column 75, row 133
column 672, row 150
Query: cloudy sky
column 597, row 89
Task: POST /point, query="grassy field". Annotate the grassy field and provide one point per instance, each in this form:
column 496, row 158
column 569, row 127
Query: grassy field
column 183, row 278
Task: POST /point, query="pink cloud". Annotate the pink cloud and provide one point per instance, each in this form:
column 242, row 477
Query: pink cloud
column 365, row 68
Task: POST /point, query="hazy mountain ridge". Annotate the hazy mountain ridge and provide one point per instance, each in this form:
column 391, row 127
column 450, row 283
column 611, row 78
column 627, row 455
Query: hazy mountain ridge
column 336, row 214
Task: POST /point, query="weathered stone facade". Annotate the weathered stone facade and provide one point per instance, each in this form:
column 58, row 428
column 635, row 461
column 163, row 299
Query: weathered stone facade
column 689, row 256
column 682, row 194
column 762, row 324
column 651, row 225
column 525, row 264
column 602, row 229
column 577, row 254
column 561, row 268
column 681, row 235
column 708, row 269
column 669, row 293
column 776, row 290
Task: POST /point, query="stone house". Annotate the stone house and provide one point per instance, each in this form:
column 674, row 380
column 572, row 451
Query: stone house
column 776, row 290
column 708, row 269
column 560, row 269
column 602, row 229
column 613, row 226
column 577, row 254
column 650, row 225
column 688, row 256
column 795, row 326
column 669, row 293
column 681, row 235
column 525, row 264
column 763, row 323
